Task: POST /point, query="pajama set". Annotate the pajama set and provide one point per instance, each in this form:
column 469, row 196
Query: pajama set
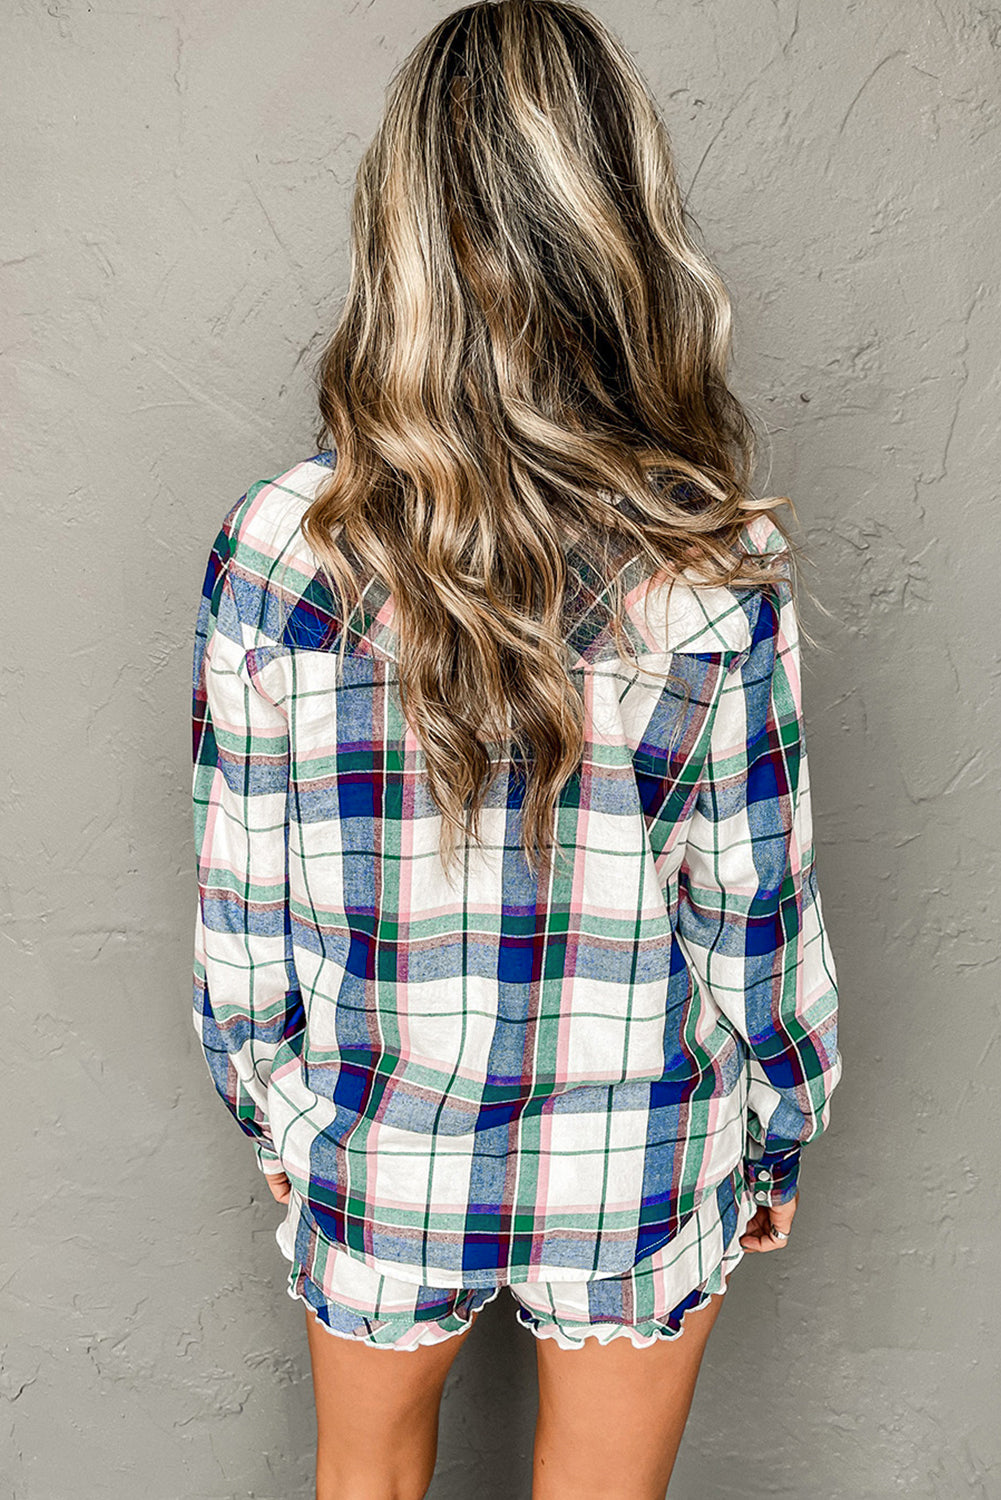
column 580, row 1086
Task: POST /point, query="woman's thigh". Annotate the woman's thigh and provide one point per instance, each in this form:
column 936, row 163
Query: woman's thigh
column 376, row 1414
column 611, row 1416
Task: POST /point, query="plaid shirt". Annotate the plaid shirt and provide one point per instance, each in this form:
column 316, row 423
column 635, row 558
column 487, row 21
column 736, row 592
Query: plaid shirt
column 497, row 1079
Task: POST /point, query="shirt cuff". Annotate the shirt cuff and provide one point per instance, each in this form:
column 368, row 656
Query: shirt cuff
column 772, row 1176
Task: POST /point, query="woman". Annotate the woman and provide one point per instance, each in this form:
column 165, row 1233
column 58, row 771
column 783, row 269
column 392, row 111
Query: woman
column 510, row 955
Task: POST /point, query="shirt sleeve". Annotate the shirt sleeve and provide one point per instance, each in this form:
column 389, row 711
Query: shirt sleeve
column 246, row 994
column 750, row 918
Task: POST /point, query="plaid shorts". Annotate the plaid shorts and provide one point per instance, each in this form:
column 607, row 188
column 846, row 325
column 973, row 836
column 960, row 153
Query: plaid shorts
column 645, row 1304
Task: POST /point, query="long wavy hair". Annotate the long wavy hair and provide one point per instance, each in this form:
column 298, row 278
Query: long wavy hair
column 532, row 355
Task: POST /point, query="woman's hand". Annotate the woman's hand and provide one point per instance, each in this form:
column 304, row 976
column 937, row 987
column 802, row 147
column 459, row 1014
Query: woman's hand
column 281, row 1188
column 758, row 1234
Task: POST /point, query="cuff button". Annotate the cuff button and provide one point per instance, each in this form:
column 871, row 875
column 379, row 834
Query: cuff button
column 764, row 1174
column 761, row 1197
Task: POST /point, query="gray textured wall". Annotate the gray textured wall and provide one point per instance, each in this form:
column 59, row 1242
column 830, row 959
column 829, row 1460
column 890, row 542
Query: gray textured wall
column 174, row 245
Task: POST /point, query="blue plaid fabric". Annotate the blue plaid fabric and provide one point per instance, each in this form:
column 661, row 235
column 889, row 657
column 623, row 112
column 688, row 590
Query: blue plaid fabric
column 497, row 1079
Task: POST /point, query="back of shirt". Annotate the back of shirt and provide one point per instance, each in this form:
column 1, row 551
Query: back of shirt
column 495, row 1077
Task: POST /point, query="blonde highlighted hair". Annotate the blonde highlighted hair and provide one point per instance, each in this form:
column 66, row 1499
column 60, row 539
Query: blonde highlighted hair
column 532, row 354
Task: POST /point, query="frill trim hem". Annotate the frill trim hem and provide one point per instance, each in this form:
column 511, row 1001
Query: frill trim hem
column 421, row 1334
column 428, row 1333
column 653, row 1330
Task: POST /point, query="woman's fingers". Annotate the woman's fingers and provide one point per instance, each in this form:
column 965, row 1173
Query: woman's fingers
column 758, row 1234
column 281, row 1188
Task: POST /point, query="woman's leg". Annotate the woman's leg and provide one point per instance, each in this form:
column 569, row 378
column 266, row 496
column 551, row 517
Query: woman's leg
column 611, row 1416
column 376, row 1415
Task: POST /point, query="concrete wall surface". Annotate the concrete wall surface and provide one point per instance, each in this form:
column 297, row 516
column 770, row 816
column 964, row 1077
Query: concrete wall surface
column 174, row 249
